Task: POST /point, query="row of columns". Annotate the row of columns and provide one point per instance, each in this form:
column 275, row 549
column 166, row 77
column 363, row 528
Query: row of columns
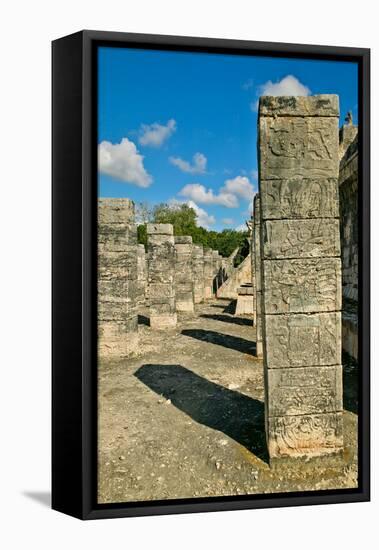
column 171, row 277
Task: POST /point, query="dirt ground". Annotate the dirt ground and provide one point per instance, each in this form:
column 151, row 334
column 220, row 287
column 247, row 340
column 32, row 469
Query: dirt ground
column 185, row 418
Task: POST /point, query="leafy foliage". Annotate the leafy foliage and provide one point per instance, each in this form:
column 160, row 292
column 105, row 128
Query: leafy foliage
column 183, row 218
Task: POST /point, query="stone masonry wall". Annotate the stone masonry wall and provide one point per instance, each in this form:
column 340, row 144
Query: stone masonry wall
column 301, row 274
column 348, row 192
column 117, row 278
column 184, row 274
column 161, row 273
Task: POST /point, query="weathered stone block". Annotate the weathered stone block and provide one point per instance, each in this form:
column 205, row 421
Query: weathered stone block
column 303, row 340
column 160, row 229
column 296, row 147
column 304, row 390
column 305, row 435
column 302, row 286
column 318, row 105
column 299, row 198
column 301, row 238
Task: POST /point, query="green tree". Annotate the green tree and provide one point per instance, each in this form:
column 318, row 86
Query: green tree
column 183, row 218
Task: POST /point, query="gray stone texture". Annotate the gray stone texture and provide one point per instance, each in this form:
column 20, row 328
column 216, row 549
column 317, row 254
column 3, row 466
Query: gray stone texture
column 208, row 273
column 301, row 274
column 161, row 273
column 348, row 191
column 256, row 245
column 142, row 273
column 184, row 282
column 198, row 273
column 117, row 279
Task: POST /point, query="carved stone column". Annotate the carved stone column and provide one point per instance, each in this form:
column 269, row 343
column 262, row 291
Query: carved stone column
column 161, row 273
column 117, row 278
column 301, row 274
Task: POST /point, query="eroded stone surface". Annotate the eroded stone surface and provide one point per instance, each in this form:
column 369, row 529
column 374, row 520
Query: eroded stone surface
column 161, row 274
column 117, row 278
column 299, row 198
column 301, row 238
column 302, row 286
column 301, row 275
column 304, row 390
column 297, row 147
column 303, row 340
column 317, row 105
column 184, row 274
column 305, row 435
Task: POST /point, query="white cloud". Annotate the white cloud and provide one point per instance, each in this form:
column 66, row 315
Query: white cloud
column 241, row 227
column 154, row 135
column 288, row 86
column 203, row 219
column 227, row 221
column 123, row 161
column 198, row 193
column 198, row 166
column 239, row 186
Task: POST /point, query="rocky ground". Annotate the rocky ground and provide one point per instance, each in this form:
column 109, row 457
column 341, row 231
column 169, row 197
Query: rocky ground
column 185, row 418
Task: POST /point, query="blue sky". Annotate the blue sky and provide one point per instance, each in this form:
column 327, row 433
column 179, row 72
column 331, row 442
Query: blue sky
column 178, row 126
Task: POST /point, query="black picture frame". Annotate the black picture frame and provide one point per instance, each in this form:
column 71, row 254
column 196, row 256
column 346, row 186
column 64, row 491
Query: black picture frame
column 74, row 175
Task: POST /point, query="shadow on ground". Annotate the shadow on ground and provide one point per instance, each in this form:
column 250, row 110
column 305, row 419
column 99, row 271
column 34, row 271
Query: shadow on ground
column 236, row 415
column 228, row 319
column 143, row 320
column 225, row 340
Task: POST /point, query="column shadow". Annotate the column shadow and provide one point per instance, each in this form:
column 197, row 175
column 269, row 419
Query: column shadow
column 232, row 413
column 227, row 319
column 225, row 340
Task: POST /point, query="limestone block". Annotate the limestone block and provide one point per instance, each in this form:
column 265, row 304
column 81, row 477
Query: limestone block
column 317, row 105
column 301, row 238
column 160, row 229
column 302, row 286
column 303, row 340
column 299, row 198
column 305, row 435
column 296, row 147
column 304, row 390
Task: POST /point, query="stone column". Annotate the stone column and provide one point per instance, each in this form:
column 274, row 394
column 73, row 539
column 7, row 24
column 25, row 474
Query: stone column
column 183, row 274
column 257, row 276
column 301, row 274
column 161, row 271
column 198, row 273
column 208, row 273
column 117, row 279
column 142, row 273
column 216, row 272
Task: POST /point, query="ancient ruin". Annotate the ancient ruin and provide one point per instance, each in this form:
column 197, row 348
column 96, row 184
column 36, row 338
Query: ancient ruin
column 117, row 278
column 161, row 275
column 184, row 282
column 348, row 193
column 301, row 274
column 198, row 273
column 246, row 369
column 257, row 278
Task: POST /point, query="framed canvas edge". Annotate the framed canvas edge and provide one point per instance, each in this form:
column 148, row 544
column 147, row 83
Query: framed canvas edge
column 86, row 507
